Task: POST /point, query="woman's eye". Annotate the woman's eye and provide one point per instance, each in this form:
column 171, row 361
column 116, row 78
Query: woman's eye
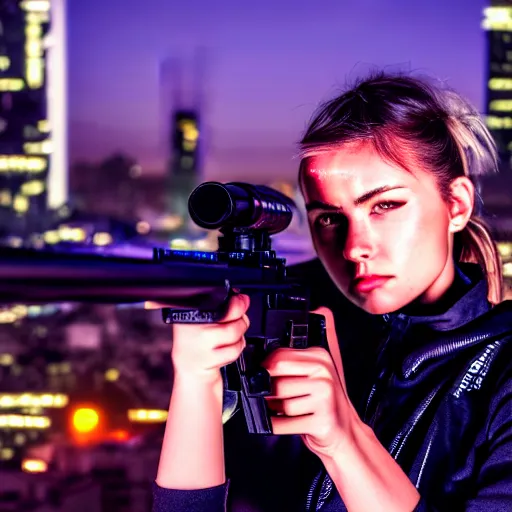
column 385, row 206
column 327, row 220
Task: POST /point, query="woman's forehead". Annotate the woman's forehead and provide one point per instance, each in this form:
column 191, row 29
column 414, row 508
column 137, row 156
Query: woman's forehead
column 349, row 165
column 344, row 174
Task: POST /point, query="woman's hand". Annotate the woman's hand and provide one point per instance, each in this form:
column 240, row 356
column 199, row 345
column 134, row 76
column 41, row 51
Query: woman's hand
column 200, row 350
column 309, row 395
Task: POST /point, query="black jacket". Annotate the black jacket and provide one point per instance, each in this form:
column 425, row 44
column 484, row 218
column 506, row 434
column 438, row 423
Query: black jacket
column 436, row 387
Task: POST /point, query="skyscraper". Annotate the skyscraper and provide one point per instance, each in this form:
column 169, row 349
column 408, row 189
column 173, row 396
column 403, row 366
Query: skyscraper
column 27, row 138
column 496, row 187
column 498, row 24
column 182, row 102
column 184, row 165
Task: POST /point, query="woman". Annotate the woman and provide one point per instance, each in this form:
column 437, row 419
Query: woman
column 385, row 175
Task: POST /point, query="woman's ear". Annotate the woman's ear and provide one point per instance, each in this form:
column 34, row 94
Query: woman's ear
column 462, row 198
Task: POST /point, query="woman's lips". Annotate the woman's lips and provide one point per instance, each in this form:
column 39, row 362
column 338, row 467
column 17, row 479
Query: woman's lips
column 365, row 284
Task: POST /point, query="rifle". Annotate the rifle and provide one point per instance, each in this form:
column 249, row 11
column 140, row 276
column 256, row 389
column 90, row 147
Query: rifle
column 197, row 284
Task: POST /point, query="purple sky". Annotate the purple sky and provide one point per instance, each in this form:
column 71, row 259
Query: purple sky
column 270, row 63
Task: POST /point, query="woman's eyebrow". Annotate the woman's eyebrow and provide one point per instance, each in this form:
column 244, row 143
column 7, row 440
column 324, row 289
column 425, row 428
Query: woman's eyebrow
column 367, row 196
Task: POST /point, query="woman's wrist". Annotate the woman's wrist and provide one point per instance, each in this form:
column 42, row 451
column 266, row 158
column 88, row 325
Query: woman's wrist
column 366, row 475
column 204, row 378
column 204, row 391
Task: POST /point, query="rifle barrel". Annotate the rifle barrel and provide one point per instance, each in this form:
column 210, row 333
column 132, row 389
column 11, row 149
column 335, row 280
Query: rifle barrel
column 41, row 277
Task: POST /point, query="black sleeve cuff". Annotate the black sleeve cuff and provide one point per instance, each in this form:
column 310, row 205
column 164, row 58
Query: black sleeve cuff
column 212, row 499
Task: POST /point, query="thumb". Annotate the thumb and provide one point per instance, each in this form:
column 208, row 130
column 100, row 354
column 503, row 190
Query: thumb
column 332, row 341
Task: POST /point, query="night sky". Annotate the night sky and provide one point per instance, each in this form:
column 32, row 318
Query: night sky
column 269, row 64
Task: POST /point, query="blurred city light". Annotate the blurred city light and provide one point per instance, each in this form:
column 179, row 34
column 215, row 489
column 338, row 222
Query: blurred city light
column 112, row 374
column 34, row 466
column 85, row 420
column 24, row 421
column 44, row 400
column 147, row 415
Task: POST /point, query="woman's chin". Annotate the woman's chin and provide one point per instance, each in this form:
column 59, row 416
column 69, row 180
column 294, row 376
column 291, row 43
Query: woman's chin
column 377, row 304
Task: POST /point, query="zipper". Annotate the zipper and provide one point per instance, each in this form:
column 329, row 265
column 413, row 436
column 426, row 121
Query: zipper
column 325, row 491
column 411, row 366
column 312, row 491
column 370, row 396
column 424, row 462
column 401, row 438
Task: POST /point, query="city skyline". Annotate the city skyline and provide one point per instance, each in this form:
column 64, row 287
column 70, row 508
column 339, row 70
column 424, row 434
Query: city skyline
column 269, row 67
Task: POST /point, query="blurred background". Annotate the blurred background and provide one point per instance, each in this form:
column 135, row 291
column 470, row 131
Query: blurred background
column 111, row 112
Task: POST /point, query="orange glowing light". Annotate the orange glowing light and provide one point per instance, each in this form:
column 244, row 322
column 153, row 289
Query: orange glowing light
column 119, row 435
column 85, row 420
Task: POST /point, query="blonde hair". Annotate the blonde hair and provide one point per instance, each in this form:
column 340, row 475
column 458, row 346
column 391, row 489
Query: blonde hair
column 409, row 121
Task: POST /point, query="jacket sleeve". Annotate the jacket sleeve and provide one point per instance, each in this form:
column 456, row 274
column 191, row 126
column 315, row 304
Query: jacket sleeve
column 494, row 480
column 212, row 499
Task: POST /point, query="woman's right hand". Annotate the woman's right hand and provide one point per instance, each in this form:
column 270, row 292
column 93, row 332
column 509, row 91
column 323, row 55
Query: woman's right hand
column 199, row 351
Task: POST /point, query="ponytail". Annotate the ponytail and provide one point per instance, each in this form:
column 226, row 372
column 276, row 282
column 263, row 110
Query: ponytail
column 477, row 151
column 477, row 246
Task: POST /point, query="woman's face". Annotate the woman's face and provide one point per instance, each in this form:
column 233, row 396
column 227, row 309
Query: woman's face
column 382, row 233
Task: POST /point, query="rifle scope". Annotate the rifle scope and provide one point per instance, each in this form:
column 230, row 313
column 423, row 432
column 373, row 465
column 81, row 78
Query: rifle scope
column 240, row 207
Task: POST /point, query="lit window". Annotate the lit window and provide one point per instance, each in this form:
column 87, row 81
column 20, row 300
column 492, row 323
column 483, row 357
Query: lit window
column 501, row 106
column 497, row 18
column 35, row 5
column 499, row 123
column 33, row 188
column 500, row 84
column 11, row 84
column 20, row 204
column 22, row 163
column 5, row 63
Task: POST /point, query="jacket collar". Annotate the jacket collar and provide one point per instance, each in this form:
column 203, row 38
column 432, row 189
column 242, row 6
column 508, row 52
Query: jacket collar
column 465, row 300
column 420, row 334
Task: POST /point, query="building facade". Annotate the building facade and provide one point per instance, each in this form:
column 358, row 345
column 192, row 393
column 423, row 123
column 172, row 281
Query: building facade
column 28, row 67
column 184, row 171
column 497, row 23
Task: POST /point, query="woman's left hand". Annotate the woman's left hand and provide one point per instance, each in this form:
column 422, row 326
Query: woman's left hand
column 309, row 395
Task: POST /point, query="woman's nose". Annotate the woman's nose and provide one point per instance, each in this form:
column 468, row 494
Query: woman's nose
column 359, row 242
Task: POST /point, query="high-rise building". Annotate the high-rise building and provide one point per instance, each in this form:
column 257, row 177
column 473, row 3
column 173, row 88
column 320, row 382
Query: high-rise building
column 496, row 188
column 498, row 24
column 185, row 164
column 182, row 85
column 32, row 129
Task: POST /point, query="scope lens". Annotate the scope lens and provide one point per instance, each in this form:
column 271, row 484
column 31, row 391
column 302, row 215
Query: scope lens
column 210, row 204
